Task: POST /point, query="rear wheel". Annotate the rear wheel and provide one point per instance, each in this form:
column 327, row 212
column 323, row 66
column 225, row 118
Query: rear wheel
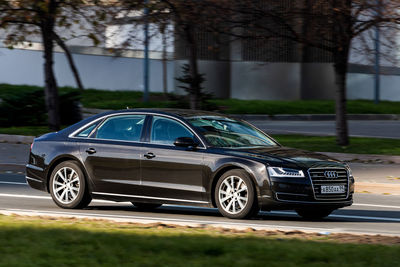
column 68, row 186
column 314, row 214
column 235, row 195
column 146, row 206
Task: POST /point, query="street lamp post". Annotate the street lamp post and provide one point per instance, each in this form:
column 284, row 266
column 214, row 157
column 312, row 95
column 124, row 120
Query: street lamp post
column 146, row 62
column 377, row 56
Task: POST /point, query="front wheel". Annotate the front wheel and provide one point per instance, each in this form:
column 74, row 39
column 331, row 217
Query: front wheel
column 68, row 186
column 235, row 195
column 314, row 214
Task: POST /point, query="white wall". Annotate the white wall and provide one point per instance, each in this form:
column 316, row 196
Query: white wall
column 361, row 86
column 21, row 66
column 272, row 81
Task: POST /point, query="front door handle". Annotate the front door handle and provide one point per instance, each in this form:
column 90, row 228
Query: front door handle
column 149, row 155
column 91, row 150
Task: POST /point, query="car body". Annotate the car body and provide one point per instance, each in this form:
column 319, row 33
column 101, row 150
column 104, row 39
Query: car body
column 171, row 156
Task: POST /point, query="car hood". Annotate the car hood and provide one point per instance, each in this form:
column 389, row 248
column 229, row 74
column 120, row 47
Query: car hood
column 288, row 156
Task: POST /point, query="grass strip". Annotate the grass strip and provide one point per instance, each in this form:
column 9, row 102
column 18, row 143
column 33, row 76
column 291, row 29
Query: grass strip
column 358, row 145
column 29, row 241
column 103, row 99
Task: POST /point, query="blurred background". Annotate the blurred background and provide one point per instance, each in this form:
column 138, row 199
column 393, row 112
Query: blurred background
column 287, row 61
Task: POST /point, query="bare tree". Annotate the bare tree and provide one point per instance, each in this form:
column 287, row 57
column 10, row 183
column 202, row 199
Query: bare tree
column 24, row 18
column 326, row 25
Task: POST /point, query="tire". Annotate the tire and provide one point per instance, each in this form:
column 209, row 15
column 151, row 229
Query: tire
column 68, row 186
column 314, row 214
column 239, row 203
column 146, row 206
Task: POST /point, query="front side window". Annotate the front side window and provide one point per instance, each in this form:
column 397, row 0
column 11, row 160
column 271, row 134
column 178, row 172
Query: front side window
column 165, row 131
column 226, row 132
column 123, row 128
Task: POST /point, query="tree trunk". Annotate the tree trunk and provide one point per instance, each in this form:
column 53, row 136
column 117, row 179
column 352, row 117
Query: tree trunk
column 342, row 135
column 71, row 62
column 194, row 92
column 51, row 90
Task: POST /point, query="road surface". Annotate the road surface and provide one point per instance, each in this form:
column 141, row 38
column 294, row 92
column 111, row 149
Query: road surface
column 371, row 214
column 365, row 128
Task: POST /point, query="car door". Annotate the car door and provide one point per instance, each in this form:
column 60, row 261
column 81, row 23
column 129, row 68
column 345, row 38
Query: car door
column 112, row 155
column 170, row 172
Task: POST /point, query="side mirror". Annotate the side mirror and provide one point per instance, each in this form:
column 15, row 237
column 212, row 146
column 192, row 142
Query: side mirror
column 185, row 142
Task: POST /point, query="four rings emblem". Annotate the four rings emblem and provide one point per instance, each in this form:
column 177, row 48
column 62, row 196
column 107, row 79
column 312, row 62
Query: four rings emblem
column 331, row 174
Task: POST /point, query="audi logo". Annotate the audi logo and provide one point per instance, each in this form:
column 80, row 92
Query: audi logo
column 331, row 174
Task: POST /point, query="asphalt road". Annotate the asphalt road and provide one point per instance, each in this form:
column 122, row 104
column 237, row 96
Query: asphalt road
column 371, row 214
column 365, row 128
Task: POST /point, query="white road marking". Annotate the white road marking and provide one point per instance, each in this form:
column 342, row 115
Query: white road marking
column 377, row 206
column 346, row 216
column 13, row 183
column 49, row 198
column 274, row 212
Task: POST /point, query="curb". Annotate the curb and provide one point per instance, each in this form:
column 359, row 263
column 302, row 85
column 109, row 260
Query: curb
column 19, row 139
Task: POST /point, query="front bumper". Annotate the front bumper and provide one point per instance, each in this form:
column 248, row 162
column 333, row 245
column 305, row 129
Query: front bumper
column 293, row 193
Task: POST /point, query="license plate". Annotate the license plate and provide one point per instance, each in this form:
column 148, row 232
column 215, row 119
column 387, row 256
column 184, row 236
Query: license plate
column 333, row 189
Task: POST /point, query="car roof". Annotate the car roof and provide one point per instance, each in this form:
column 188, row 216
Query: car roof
column 185, row 113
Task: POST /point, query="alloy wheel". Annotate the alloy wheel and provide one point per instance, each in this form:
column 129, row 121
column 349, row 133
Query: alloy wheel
column 233, row 194
column 66, row 185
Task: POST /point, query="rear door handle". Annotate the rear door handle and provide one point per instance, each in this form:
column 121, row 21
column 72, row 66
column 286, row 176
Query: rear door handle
column 91, row 150
column 149, row 155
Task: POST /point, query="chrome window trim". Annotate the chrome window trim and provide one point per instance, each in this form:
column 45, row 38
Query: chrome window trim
column 72, row 135
column 348, row 182
column 149, row 197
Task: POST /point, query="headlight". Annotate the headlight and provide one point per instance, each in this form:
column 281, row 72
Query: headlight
column 285, row 172
column 349, row 170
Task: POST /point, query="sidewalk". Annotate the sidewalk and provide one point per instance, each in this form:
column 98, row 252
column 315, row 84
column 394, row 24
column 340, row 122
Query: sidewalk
column 370, row 177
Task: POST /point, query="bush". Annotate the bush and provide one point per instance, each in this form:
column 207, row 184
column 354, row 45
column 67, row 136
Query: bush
column 24, row 108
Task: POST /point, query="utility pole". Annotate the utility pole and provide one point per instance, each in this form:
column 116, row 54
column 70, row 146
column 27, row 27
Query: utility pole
column 377, row 56
column 146, row 55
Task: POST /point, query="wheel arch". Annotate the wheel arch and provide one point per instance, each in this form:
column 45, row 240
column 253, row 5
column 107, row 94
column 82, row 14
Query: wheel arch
column 222, row 170
column 59, row 160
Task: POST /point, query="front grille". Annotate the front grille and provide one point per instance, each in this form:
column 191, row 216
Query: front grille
column 318, row 179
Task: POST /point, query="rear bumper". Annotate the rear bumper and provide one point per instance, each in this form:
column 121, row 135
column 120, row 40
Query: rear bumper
column 35, row 177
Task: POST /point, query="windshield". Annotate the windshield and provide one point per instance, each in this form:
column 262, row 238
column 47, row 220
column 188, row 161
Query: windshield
column 226, row 132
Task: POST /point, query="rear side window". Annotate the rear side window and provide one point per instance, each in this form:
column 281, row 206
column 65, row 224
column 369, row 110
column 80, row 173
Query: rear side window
column 86, row 132
column 124, row 128
column 165, row 131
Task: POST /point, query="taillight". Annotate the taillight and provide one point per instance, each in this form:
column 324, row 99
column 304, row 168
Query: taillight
column 31, row 147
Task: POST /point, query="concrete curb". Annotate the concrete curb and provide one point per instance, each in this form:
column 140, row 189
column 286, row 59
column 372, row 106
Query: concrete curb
column 9, row 138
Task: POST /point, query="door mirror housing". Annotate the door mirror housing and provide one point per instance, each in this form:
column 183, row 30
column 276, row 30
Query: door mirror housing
column 185, row 142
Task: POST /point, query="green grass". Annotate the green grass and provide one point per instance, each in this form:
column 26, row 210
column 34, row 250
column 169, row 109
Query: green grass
column 25, row 130
column 358, row 145
column 44, row 242
column 102, row 99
